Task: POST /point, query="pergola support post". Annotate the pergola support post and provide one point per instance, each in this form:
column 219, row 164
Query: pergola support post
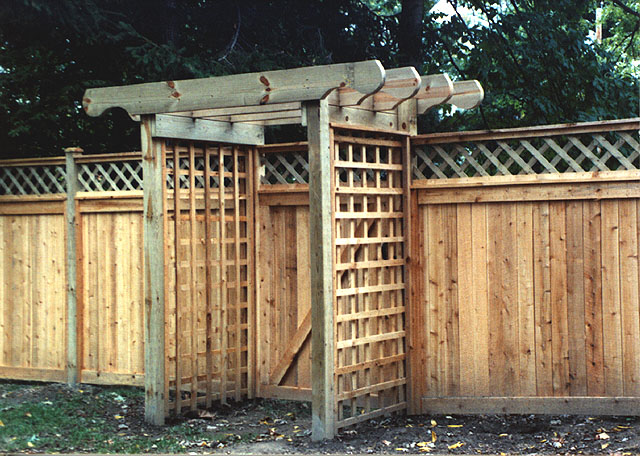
column 154, row 277
column 322, row 290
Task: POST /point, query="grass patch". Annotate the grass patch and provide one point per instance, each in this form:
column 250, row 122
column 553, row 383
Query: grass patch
column 87, row 420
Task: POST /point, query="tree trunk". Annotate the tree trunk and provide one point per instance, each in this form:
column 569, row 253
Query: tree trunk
column 410, row 33
column 171, row 35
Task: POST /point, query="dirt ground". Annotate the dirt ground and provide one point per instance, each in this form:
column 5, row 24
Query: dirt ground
column 268, row 426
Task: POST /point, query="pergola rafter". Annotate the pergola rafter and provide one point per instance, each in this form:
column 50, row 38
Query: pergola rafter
column 360, row 93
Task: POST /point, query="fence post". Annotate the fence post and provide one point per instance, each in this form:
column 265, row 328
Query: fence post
column 72, row 286
column 323, row 406
column 154, row 279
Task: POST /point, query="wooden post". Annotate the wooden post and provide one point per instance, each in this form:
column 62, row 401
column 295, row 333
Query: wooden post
column 408, row 116
column 154, row 278
column 72, row 286
column 408, row 121
column 411, row 256
column 321, row 243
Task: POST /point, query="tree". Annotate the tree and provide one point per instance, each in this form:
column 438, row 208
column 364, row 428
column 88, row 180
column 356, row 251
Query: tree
column 621, row 30
column 534, row 57
column 537, row 63
column 48, row 57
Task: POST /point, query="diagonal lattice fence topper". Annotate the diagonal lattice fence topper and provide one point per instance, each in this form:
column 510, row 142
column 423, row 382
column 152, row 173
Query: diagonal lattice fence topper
column 602, row 151
column 285, row 168
column 33, row 180
column 110, row 176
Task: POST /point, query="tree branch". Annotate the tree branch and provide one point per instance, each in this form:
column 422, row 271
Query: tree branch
column 633, row 35
column 234, row 38
column 461, row 73
column 625, row 8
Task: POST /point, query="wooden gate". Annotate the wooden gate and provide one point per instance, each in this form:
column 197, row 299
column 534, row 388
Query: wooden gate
column 209, row 252
column 284, row 275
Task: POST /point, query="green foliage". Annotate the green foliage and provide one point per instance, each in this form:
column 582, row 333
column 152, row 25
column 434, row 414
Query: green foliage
column 621, row 35
column 534, row 57
column 537, row 65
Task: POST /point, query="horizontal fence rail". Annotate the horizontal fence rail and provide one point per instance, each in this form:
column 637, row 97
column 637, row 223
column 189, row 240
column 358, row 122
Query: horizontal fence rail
column 589, row 147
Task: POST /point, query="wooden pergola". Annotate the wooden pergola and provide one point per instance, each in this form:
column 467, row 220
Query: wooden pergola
column 333, row 101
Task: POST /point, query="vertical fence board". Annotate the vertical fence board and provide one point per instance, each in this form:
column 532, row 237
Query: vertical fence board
column 576, row 298
column 526, row 310
column 559, row 317
column 593, row 298
column 630, row 300
column 480, row 301
column 611, row 299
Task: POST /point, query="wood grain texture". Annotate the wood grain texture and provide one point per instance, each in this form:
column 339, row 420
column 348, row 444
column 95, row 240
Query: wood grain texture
column 547, row 292
column 33, row 296
column 321, row 209
column 251, row 89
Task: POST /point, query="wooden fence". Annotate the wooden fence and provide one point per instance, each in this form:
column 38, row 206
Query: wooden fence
column 34, row 258
column 525, row 294
column 501, row 276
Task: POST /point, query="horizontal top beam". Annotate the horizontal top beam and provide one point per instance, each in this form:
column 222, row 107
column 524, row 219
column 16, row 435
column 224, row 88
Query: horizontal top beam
column 250, row 89
column 542, row 131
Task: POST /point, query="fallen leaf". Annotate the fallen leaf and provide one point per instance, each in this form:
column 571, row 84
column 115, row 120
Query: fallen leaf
column 425, row 449
column 386, row 443
column 454, row 425
column 421, row 444
column 402, row 449
column 206, row 414
column 604, row 445
column 30, row 445
column 1, row 423
column 433, row 423
column 118, row 417
column 503, row 435
column 409, row 425
column 28, row 414
column 602, row 436
column 433, row 437
column 455, row 445
column 620, row 428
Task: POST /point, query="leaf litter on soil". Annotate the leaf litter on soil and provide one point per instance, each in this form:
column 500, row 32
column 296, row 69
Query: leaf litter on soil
column 55, row 418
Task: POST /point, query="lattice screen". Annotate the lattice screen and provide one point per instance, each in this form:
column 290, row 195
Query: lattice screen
column 33, row 180
column 369, row 256
column 607, row 151
column 289, row 167
column 210, row 256
column 110, row 176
